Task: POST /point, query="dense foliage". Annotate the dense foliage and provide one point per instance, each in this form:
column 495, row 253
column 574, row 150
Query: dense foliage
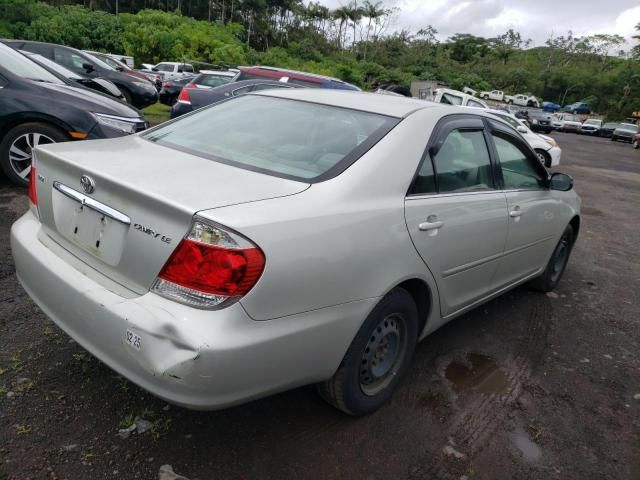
column 354, row 42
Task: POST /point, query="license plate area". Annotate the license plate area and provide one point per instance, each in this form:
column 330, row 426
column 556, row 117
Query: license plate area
column 92, row 230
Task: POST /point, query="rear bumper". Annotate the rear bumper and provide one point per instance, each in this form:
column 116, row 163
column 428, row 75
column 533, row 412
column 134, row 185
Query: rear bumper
column 193, row 358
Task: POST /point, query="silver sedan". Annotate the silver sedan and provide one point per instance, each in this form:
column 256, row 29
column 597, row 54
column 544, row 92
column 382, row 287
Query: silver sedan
column 285, row 238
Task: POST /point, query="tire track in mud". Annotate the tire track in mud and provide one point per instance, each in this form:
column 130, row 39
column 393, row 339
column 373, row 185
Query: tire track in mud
column 484, row 415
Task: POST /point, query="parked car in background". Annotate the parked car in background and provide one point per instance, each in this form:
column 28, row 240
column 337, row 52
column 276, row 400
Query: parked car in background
column 550, row 107
column 138, row 92
column 295, row 77
column 569, row 122
column 98, row 84
column 458, row 98
column 212, row 78
column 126, row 59
column 540, row 121
column 556, row 121
column 118, row 65
column 497, row 95
column 591, row 126
column 607, row 129
column 546, row 148
column 191, row 99
column 38, row 107
column 245, row 199
column 522, row 100
column 173, row 70
column 578, row 107
column 625, row 132
column 171, row 89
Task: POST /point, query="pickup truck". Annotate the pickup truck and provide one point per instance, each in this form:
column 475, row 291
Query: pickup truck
column 522, row 100
column 493, row 95
column 456, row 97
column 173, row 70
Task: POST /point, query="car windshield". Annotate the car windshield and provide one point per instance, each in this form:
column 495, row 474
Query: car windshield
column 97, row 61
column 629, row 126
column 597, row 123
column 21, row 66
column 611, row 125
column 281, row 137
column 51, row 65
column 571, row 118
column 109, row 61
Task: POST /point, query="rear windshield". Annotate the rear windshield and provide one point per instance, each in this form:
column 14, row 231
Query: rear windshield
column 629, row 126
column 212, row 80
column 287, row 138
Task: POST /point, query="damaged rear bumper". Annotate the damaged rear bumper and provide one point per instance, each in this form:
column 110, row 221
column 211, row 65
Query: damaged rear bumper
column 194, row 358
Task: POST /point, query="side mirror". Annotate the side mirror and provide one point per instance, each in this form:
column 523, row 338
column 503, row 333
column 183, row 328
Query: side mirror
column 523, row 129
column 119, row 68
column 154, row 69
column 561, row 181
column 88, row 67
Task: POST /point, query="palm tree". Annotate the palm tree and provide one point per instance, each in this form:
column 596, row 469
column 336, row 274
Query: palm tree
column 372, row 11
column 342, row 15
column 354, row 13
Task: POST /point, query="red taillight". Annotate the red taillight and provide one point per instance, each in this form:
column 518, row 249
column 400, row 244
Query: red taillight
column 184, row 96
column 212, row 267
column 190, row 85
column 167, row 85
column 33, row 194
column 213, row 270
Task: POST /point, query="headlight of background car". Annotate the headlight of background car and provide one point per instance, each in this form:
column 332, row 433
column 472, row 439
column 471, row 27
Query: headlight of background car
column 551, row 142
column 122, row 124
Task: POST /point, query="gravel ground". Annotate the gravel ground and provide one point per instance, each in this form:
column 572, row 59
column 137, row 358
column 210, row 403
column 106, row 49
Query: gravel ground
column 528, row 386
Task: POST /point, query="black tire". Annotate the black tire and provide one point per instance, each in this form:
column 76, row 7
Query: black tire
column 356, row 388
column 23, row 138
column 127, row 95
column 557, row 263
column 544, row 157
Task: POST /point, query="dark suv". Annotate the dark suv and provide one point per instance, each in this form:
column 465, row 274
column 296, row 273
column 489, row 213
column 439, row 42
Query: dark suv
column 540, row 121
column 138, row 92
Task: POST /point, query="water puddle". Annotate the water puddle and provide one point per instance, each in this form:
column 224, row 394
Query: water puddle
column 530, row 450
column 479, row 373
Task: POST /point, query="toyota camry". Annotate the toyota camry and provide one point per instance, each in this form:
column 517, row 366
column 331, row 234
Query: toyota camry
column 287, row 237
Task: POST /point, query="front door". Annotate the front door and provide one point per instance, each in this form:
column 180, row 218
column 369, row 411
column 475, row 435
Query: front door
column 456, row 215
column 533, row 223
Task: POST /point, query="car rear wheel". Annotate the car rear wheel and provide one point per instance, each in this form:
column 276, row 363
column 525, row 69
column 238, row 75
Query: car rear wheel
column 557, row 264
column 17, row 146
column 377, row 358
column 544, row 157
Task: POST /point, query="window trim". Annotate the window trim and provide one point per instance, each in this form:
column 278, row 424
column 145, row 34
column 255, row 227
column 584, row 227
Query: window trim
column 499, row 130
column 444, row 126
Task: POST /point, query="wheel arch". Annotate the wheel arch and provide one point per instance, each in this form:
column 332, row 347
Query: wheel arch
column 575, row 224
column 422, row 295
column 27, row 117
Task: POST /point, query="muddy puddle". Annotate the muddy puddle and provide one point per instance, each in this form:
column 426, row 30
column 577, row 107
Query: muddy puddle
column 479, row 374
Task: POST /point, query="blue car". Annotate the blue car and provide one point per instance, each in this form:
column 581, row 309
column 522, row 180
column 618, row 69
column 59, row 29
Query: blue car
column 550, row 107
column 578, row 107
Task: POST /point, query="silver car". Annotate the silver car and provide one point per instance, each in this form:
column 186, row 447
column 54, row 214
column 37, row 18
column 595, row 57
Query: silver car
column 285, row 238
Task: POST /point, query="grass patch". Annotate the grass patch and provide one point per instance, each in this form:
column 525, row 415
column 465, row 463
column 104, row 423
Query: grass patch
column 156, row 113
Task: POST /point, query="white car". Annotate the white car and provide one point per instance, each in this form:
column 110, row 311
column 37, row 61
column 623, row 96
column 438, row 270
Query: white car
column 569, row 122
column 456, row 97
column 493, row 95
column 173, row 70
column 546, row 148
column 522, row 100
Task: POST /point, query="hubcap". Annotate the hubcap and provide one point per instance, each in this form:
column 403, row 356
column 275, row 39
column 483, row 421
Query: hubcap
column 560, row 257
column 21, row 152
column 382, row 356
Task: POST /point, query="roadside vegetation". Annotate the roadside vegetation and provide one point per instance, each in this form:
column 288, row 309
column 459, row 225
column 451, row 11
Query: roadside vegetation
column 357, row 42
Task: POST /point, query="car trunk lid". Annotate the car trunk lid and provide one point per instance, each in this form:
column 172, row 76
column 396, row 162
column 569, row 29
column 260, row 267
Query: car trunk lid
column 123, row 205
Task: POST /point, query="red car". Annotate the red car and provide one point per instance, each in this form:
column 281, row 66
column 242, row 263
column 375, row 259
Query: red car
column 292, row 76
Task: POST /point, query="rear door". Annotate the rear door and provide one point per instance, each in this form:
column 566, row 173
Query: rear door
column 455, row 213
column 533, row 220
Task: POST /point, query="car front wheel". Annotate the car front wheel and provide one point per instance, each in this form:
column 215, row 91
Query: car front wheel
column 377, row 358
column 557, row 264
column 544, row 157
column 16, row 148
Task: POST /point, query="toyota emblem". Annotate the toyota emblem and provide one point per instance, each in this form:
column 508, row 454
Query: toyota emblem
column 88, row 185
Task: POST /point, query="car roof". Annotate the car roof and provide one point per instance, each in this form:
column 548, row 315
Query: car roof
column 296, row 74
column 173, row 63
column 389, row 105
column 222, row 73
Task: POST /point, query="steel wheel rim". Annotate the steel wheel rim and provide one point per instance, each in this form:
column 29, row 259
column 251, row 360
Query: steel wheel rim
column 383, row 354
column 541, row 157
column 560, row 257
column 21, row 152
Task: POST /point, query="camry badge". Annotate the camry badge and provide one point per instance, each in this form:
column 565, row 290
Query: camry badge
column 88, row 185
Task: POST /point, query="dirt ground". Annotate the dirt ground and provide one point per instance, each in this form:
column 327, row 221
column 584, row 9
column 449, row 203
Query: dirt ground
column 529, row 386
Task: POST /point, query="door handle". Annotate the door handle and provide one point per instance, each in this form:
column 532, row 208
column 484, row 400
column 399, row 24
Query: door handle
column 516, row 212
column 426, row 226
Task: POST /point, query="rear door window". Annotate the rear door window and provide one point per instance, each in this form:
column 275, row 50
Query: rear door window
column 69, row 59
